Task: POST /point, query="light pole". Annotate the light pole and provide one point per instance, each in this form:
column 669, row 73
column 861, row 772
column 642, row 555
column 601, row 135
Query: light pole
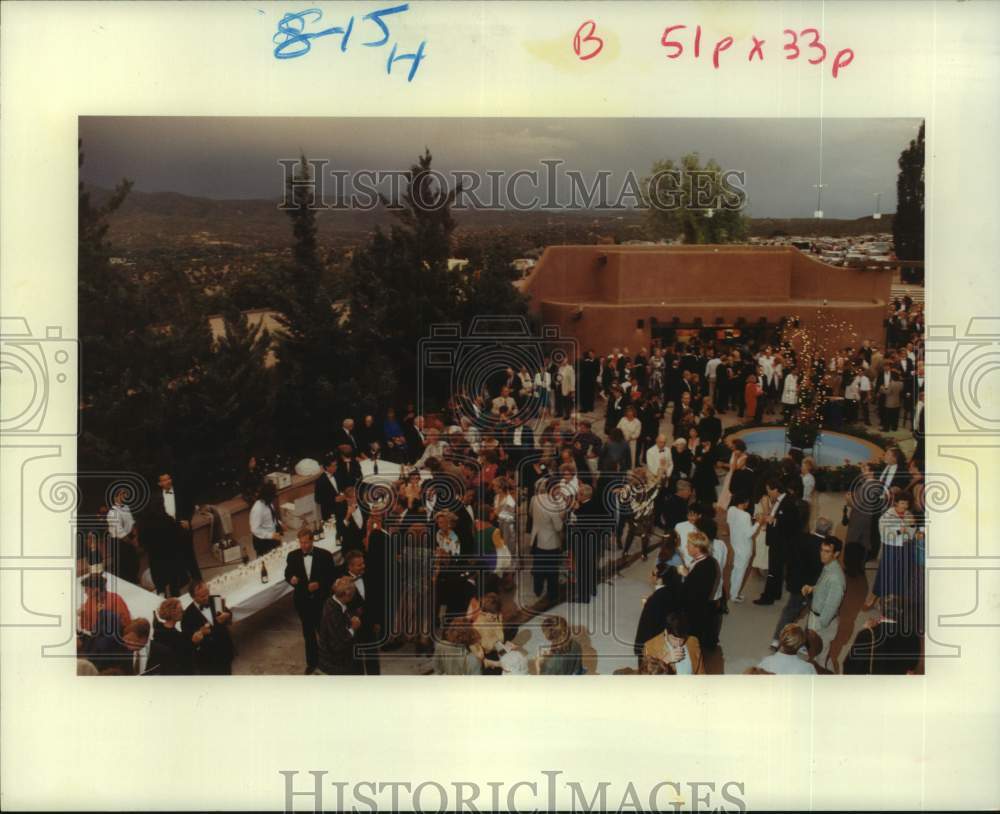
column 878, row 197
column 819, row 200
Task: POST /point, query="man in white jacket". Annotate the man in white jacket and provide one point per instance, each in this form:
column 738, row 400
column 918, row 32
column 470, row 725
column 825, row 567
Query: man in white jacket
column 566, row 388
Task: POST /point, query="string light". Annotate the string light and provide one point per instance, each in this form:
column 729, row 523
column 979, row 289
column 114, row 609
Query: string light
column 809, row 348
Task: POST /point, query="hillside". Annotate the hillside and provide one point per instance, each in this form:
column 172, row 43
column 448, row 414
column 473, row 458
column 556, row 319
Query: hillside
column 170, row 220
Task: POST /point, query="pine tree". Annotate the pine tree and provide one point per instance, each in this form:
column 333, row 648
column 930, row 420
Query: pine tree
column 315, row 366
column 908, row 225
column 400, row 284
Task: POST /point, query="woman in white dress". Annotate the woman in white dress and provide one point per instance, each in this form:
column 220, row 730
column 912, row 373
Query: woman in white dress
column 762, row 510
column 741, row 531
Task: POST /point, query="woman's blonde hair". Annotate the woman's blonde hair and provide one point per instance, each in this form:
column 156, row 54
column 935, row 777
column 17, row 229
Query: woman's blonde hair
column 699, row 541
column 170, row 610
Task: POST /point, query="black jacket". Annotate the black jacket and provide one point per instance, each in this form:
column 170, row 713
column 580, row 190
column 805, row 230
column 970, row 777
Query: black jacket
column 214, row 654
column 888, row 649
column 325, row 495
column 336, row 641
column 322, row 572
column 803, row 563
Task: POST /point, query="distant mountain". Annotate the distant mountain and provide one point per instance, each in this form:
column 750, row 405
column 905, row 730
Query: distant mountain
column 170, row 220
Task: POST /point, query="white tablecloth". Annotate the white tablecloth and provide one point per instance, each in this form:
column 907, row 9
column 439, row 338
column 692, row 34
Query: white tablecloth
column 241, row 587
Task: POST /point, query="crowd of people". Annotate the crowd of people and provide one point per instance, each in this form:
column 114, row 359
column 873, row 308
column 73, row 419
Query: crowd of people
column 436, row 516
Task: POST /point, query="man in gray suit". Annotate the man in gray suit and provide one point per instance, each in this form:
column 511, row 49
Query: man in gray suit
column 827, row 595
column 546, row 517
column 892, row 392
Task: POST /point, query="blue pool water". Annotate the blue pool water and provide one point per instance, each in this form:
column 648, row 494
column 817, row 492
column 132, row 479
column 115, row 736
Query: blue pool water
column 832, row 448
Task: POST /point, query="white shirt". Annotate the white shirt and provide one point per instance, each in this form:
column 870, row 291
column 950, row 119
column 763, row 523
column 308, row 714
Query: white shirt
column 359, row 583
column 262, row 523
column 307, row 564
column 808, row 485
column 207, row 612
column 170, row 503
column 784, row 664
column 720, row 553
column 543, row 380
column 853, row 391
column 343, row 607
column 711, row 366
column 683, row 530
column 120, row 521
column 887, row 475
column 774, row 508
column 864, row 384
column 143, row 658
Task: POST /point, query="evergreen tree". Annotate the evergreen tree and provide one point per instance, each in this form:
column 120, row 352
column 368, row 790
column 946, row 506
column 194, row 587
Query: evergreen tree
column 399, row 284
column 157, row 393
column 489, row 287
column 908, row 225
column 315, row 366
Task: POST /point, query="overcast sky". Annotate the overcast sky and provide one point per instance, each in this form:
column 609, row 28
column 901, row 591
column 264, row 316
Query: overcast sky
column 224, row 157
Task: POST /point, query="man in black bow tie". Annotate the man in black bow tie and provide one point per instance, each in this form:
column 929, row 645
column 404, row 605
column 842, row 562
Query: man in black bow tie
column 309, row 570
column 167, row 537
column 208, row 633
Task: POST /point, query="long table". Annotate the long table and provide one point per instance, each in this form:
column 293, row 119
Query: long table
column 241, row 587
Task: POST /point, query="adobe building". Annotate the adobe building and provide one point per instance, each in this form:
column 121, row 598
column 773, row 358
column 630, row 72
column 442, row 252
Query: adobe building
column 613, row 296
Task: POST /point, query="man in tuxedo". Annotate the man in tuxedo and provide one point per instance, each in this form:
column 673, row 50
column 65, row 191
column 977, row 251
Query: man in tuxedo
column 465, row 523
column 337, row 631
column 519, row 441
column 416, row 440
column 345, row 436
column 167, row 538
column 782, row 526
column 208, row 633
column 804, row 568
column 367, row 597
column 310, row 572
column 326, row 490
column 348, row 467
column 589, row 367
column 709, row 427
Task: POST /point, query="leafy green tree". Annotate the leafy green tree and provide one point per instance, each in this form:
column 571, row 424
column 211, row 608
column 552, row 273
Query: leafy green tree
column 908, row 225
column 682, row 201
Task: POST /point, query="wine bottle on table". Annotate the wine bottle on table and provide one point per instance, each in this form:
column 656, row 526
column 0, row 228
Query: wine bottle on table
column 263, row 572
